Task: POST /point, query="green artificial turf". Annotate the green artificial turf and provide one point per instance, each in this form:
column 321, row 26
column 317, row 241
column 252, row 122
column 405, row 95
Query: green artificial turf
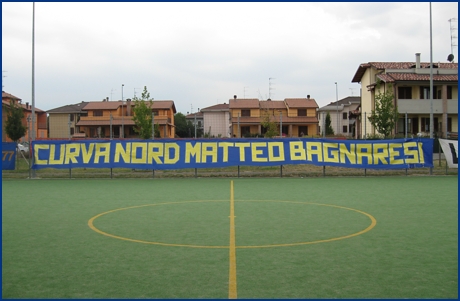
column 295, row 238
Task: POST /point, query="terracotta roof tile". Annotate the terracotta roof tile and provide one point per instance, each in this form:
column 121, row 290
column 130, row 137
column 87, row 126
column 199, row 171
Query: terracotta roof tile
column 75, row 108
column 398, row 65
column 102, row 105
column 218, row 107
column 272, row 104
column 113, row 105
column 244, row 103
column 8, row 95
column 301, row 103
column 392, row 77
column 24, row 106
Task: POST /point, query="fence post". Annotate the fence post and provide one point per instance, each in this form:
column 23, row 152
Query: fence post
column 70, row 138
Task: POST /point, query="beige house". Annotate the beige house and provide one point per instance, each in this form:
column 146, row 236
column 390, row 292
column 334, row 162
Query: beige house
column 342, row 113
column 63, row 121
column 410, row 84
column 296, row 116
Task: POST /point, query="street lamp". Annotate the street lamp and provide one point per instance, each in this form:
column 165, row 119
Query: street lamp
column 281, row 124
column 337, row 105
column 195, row 122
column 122, row 113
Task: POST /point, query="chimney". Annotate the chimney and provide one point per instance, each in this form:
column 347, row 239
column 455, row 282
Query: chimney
column 107, row 99
column 234, row 96
column 128, row 107
column 308, row 96
column 27, row 105
column 417, row 61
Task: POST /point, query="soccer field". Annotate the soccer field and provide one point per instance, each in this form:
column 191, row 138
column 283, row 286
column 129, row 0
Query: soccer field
column 371, row 237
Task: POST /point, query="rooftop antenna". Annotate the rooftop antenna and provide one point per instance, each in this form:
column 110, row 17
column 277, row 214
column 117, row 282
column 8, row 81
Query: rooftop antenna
column 3, row 76
column 135, row 91
column 453, row 38
column 351, row 89
column 111, row 93
column 260, row 95
column 244, row 92
column 270, row 87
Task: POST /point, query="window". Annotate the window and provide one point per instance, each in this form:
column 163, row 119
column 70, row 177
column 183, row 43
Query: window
column 245, row 130
column 426, row 124
column 404, row 92
column 155, row 113
column 72, row 130
column 449, row 124
column 345, row 129
column 97, row 113
column 302, row 112
column 245, row 113
column 345, row 115
column 449, row 92
column 303, row 131
column 425, row 93
column 72, row 117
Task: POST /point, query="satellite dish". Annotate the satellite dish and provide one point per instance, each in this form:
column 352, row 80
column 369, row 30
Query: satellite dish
column 450, row 58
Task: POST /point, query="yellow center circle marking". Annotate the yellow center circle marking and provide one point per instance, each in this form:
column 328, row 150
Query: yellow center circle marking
column 372, row 225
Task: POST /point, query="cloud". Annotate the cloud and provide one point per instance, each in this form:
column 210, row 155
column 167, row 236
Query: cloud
column 203, row 53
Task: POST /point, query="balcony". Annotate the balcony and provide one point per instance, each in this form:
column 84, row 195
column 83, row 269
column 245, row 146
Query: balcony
column 423, row 106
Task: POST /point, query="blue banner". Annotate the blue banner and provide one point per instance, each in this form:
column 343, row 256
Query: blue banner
column 209, row 153
column 8, row 155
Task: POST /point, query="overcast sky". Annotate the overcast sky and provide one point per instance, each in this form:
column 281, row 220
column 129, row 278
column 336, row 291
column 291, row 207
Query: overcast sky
column 202, row 54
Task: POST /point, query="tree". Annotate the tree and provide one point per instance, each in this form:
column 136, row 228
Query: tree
column 329, row 129
column 385, row 116
column 270, row 126
column 183, row 126
column 143, row 115
column 13, row 125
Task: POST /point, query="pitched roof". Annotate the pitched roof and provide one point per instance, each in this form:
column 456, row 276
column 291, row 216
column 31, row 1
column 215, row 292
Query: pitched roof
column 113, row 105
column 392, row 77
column 301, row 103
column 272, row 104
column 26, row 106
column 218, row 107
column 8, row 95
column 244, row 103
column 163, row 105
column 192, row 115
column 347, row 101
column 75, row 108
column 102, row 105
column 397, row 65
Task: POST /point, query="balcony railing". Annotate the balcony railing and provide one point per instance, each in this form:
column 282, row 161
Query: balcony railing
column 423, row 106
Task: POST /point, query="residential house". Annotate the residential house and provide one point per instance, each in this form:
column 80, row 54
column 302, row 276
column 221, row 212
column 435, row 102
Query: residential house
column 216, row 121
column 103, row 116
column 343, row 116
column 297, row 117
column 62, row 121
column 197, row 121
column 410, row 84
column 40, row 127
